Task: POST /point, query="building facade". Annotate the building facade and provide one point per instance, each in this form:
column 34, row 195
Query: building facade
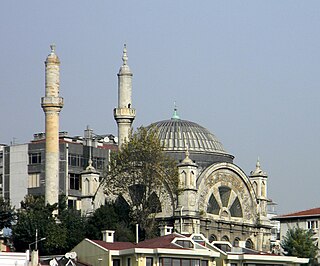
column 173, row 249
column 22, row 167
column 307, row 219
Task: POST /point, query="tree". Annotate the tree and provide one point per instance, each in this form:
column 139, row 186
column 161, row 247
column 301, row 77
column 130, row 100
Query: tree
column 7, row 214
column 142, row 173
column 34, row 215
column 298, row 242
column 111, row 216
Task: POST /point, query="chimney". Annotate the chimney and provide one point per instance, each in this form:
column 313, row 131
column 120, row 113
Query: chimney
column 108, row 236
column 165, row 230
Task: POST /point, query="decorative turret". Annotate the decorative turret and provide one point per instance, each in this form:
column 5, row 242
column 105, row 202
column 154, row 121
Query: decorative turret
column 187, row 198
column 124, row 114
column 52, row 105
column 258, row 179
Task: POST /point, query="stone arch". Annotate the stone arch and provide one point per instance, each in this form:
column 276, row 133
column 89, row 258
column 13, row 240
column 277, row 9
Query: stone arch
column 86, row 186
column 240, row 197
column 225, row 238
column 183, row 179
column 236, row 242
column 249, row 244
column 255, row 187
column 213, row 238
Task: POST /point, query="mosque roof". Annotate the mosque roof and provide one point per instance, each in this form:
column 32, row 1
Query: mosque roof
column 181, row 135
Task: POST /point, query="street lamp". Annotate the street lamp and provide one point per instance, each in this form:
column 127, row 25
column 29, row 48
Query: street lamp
column 36, row 242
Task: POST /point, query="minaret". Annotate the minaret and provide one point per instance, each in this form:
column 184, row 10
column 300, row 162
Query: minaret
column 51, row 105
column 124, row 114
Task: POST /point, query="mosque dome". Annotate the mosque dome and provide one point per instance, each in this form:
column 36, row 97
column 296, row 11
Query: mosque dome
column 177, row 136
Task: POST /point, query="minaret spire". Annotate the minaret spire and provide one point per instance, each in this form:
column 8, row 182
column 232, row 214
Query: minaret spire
column 52, row 104
column 124, row 56
column 124, row 114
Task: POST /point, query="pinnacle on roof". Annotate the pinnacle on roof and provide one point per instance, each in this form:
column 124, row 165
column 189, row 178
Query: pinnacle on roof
column 175, row 113
column 258, row 171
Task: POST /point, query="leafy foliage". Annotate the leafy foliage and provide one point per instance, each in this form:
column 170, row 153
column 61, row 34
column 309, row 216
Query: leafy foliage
column 298, row 242
column 142, row 173
column 61, row 233
column 111, row 216
column 7, row 214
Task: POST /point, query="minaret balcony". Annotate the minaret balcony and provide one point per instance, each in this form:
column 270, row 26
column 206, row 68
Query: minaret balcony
column 128, row 113
column 52, row 102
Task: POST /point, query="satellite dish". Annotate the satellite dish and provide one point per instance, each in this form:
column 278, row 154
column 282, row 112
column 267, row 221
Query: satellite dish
column 106, row 139
column 115, row 139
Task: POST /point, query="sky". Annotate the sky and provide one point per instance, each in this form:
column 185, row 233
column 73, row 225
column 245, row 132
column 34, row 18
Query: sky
column 248, row 71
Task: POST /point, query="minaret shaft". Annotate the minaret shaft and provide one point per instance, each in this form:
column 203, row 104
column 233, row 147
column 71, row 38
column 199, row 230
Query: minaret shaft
column 124, row 114
column 52, row 104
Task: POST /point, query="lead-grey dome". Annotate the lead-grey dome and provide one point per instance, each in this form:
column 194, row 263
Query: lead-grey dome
column 180, row 135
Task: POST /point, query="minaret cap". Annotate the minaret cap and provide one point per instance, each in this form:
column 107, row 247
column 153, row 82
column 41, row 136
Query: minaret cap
column 258, row 170
column 52, row 57
column 124, row 69
column 187, row 159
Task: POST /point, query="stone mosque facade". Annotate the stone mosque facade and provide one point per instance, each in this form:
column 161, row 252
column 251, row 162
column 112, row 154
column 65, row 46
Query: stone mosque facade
column 218, row 199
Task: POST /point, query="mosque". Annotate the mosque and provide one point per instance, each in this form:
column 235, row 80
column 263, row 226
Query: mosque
column 218, row 199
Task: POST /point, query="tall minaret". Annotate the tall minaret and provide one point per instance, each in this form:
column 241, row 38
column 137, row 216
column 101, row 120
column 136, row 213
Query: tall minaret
column 51, row 105
column 124, row 114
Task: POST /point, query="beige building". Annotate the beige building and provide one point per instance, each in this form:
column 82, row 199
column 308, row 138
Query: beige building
column 307, row 219
column 173, row 249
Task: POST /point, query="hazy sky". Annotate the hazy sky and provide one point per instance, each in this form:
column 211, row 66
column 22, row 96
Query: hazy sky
column 246, row 70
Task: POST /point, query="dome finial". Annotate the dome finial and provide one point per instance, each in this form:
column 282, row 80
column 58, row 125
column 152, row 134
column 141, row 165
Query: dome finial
column 175, row 112
column 124, row 56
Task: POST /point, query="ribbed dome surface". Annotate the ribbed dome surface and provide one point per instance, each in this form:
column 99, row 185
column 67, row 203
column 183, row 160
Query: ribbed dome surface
column 179, row 135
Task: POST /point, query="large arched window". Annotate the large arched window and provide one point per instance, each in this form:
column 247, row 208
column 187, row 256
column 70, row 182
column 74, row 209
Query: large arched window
column 224, row 198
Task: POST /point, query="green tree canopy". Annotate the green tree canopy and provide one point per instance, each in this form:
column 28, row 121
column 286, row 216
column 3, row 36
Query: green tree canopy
column 62, row 233
column 111, row 216
column 298, row 242
column 142, row 173
column 7, row 214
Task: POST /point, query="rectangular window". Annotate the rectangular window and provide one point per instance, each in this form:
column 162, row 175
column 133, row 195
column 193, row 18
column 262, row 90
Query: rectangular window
column 116, row 262
column 204, row 263
column 181, row 262
column 72, row 204
column 149, row 261
column 75, row 160
column 129, row 262
column 35, row 158
column 74, row 181
column 312, row 224
column 34, row 180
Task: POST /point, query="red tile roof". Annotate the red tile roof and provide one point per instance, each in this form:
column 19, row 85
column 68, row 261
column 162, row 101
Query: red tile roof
column 159, row 242
column 306, row 213
column 114, row 245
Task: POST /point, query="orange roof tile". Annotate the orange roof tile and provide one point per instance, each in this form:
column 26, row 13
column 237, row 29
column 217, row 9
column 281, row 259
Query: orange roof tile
column 305, row 213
